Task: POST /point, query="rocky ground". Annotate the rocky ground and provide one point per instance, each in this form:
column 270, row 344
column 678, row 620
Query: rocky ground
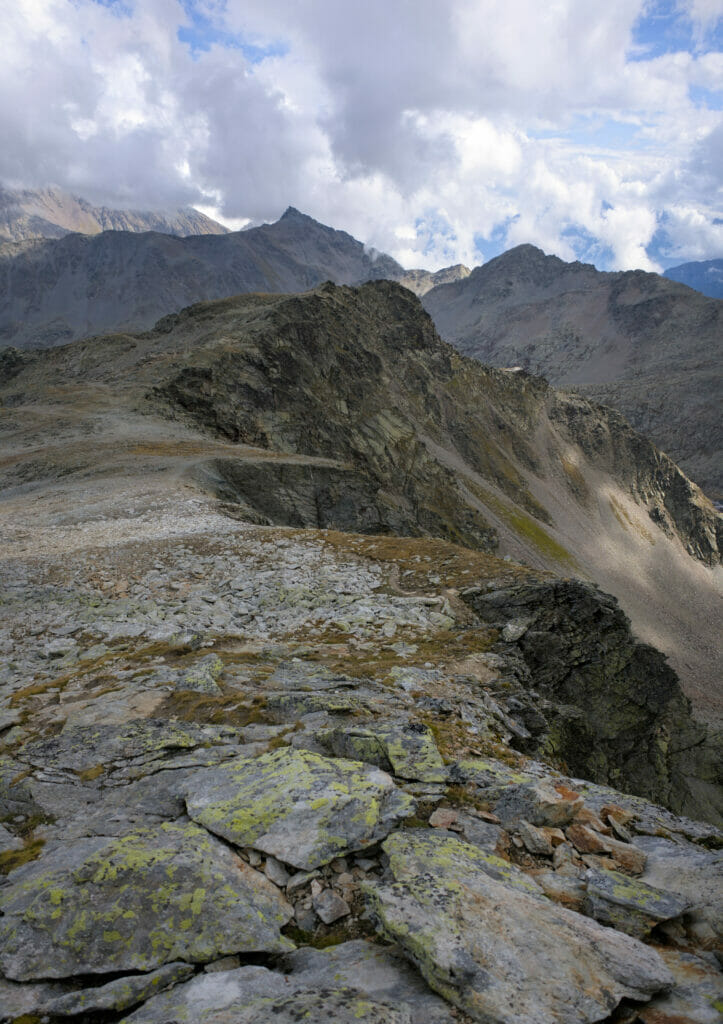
column 251, row 774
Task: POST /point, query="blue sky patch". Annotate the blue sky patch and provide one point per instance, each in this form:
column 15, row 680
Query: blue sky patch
column 202, row 32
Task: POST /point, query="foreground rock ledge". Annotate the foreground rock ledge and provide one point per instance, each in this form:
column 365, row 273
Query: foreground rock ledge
column 299, row 807
column 149, row 898
column 497, row 949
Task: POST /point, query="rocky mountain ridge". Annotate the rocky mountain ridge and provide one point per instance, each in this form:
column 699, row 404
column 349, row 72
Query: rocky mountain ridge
column 55, row 290
column 271, row 749
column 236, row 740
column 53, row 213
column 648, row 347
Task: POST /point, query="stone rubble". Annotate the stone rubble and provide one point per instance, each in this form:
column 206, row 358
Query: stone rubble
column 229, row 741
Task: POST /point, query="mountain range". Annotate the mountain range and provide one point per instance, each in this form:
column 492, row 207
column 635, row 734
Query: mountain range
column 52, row 213
column 649, row 347
column 705, row 276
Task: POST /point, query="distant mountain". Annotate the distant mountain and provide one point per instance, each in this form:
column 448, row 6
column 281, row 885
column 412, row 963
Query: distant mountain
column 52, row 213
column 705, row 276
column 55, row 290
column 647, row 346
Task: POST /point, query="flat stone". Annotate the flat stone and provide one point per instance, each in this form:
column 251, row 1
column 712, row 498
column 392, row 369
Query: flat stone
column 149, row 898
column 628, row 904
column 697, row 997
column 535, row 839
column 330, row 907
column 443, row 817
column 121, row 994
column 488, row 944
column 358, row 971
column 627, row 856
column 692, row 872
column 300, row 807
column 276, row 872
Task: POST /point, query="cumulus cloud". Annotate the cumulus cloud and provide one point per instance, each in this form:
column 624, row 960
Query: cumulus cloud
column 436, row 132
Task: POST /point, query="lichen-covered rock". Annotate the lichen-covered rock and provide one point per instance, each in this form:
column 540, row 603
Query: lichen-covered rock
column 362, row 972
column 407, row 750
column 121, row 994
column 302, row 808
column 149, row 898
column 629, row 904
column 498, row 951
column 202, row 676
column 85, row 748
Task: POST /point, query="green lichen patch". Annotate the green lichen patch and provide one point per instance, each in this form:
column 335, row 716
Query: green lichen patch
column 151, row 897
column 302, row 808
column 628, row 904
column 485, row 938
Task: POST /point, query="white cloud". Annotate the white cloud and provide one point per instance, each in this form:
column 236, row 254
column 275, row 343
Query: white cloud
column 420, row 127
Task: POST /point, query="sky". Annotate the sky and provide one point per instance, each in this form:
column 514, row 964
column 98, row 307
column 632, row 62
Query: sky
column 439, row 131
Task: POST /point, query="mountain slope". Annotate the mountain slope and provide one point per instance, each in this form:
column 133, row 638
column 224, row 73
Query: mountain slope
column 52, row 213
column 705, row 276
column 413, row 439
column 54, row 290
column 649, row 347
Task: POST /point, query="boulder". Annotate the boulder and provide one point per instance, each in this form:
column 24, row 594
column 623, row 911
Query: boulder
column 406, row 749
column 629, row 904
column 135, row 903
column 301, row 808
column 499, row 951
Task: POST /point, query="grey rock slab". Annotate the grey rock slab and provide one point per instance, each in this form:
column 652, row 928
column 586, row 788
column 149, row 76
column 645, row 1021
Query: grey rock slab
column 202, row 676
column 691, row 871
column 500, row 953
column 359, row 971
column 539, row 803
column 121, row 994
column 301, row 808
column 79, row 748
column 207, row 996
column 381, row 972
column 628, row 904
column 135, row 903
column 697, row 997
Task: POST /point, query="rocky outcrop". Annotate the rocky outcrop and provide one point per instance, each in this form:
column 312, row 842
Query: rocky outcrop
column 647, row 346
column 341, row 729
column 614, row 711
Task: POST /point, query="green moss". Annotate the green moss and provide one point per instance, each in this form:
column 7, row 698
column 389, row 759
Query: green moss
column 12, row 859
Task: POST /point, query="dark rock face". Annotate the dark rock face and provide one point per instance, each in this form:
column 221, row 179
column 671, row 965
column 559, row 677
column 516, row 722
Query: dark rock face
column 616, row 714
column 645, row 345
